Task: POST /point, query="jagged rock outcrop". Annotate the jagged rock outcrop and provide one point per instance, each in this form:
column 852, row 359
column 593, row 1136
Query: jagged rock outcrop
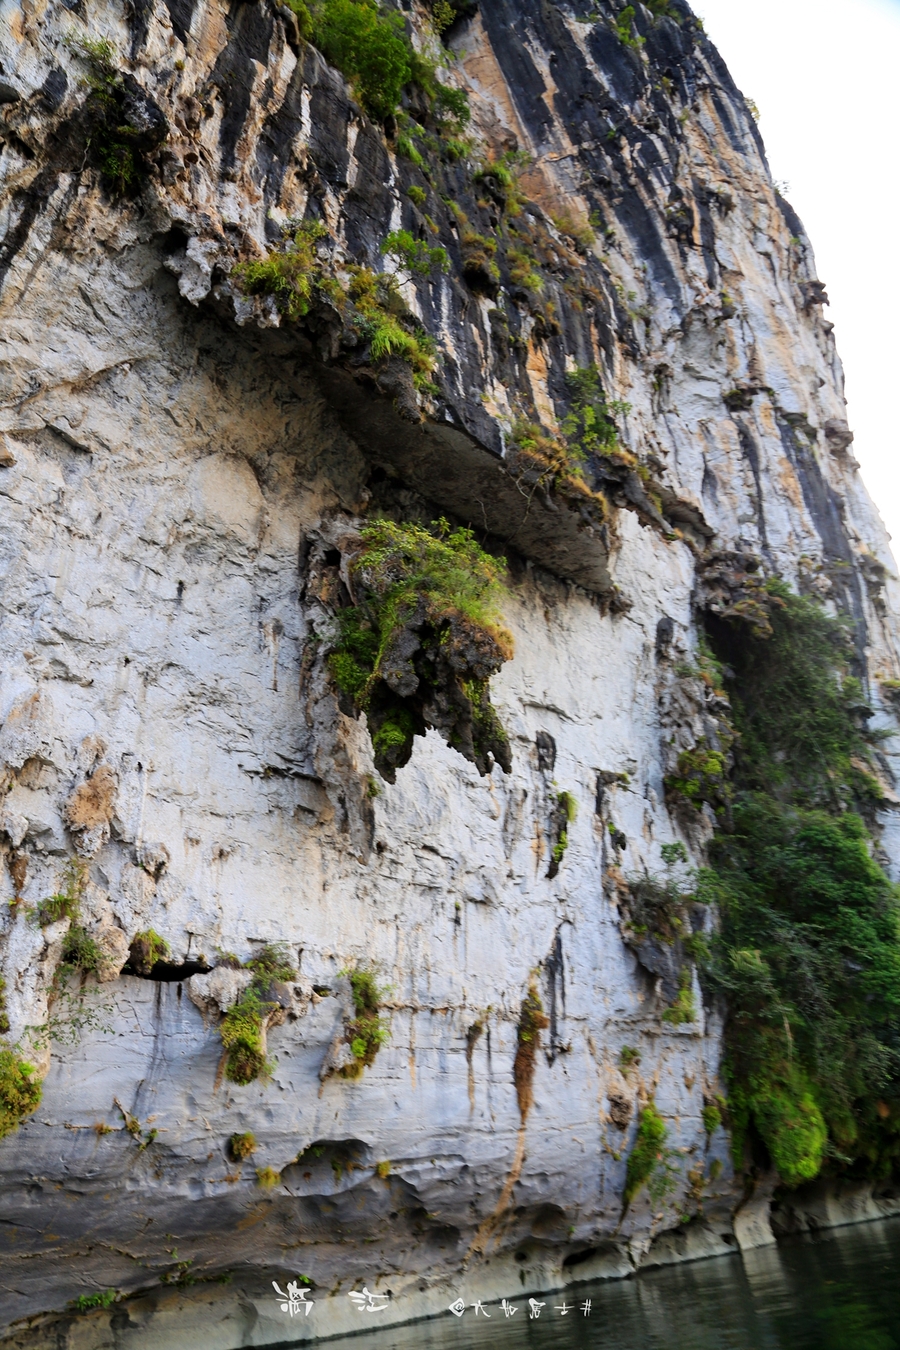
column 179, row 462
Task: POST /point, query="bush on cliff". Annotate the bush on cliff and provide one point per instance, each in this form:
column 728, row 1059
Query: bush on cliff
column 808, row 952
column 418, row 647
column 20, row 1093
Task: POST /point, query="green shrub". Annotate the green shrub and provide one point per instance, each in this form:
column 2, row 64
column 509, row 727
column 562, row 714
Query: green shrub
column 629, row 1055
column 102, row 1299
column 20, row 1093
column 449, row 590
column 684, row 1009
column 366, row 45
column 417, row 257
column 648, row 1154
column 67, row 901
column 146, row 949
column 267, row 1178
column 273, row 962
column 368, row 1031
column 701, row 776
column 241, row 1031
column 808, row 948
column 289, row 273
column 116, row 146
column 416, row 195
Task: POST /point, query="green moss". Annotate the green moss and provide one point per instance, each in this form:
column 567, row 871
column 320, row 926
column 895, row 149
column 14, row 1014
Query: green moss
column 241, row 1146
column 20, row 1093
column 147, row 948
column 629, row 1055
column 648, row 1153
column 417, row 195
column 4, row 1019
column 368, row 1031
column 450, row 589
column 272, row 962
column 267, row 1178
column 701, row 776
column 241, row 1031
column 684, row 1009
column 712, row 1117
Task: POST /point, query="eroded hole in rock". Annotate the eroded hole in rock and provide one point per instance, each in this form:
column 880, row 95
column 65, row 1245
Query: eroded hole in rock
column 167, row 972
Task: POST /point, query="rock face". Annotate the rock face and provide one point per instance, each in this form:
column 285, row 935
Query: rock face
column 178, row 467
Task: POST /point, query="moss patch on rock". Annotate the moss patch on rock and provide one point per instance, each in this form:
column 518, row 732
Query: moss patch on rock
column 418, row 646
column 20, row 1092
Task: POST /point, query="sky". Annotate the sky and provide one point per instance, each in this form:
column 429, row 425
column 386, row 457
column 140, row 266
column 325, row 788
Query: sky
column 824, row 75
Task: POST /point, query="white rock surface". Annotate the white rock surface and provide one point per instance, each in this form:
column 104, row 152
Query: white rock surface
column 163, row 474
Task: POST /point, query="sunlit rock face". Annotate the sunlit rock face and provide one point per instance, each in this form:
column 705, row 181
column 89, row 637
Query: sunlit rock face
column 179, row 469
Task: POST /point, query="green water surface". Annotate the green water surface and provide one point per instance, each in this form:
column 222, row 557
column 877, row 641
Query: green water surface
column 837, row 1291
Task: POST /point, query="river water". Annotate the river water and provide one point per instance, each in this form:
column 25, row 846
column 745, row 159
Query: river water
column 838, row 1291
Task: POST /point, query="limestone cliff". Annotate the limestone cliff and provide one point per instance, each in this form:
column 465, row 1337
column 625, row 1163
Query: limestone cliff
column 186, row 468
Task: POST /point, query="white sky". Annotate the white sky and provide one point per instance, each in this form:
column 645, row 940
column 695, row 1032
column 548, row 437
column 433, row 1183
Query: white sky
column 825, row 75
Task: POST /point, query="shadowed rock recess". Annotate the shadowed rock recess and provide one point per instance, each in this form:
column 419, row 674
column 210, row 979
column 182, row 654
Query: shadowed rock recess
column 415, row 498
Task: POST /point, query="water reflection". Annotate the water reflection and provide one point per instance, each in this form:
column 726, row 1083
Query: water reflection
column 834, row 1292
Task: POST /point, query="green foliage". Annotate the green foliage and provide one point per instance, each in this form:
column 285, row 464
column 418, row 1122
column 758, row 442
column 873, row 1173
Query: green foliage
column 273, row 962
column 369, row 47
column 295, row 276
column 568, row 809
column 416, row 195
column 289, row 273
column 20, row 1093
column 589, row 429
column 241, row 1030
column 442, row 582
column 808, row 952
column 66, row 903
column 102, row 1299
column 115, row 146
column 267, row 1178
column 417, row 257
column 625, row 28
column 712, row 1117
column 684, row 1009
column 648, row 1156
column 797, row 708
column 368, row 1031
column 4, row 1019
column 147, row 948
column 80, row 952
column 701, row 776
column 242, row 1145
column 628, row 1055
